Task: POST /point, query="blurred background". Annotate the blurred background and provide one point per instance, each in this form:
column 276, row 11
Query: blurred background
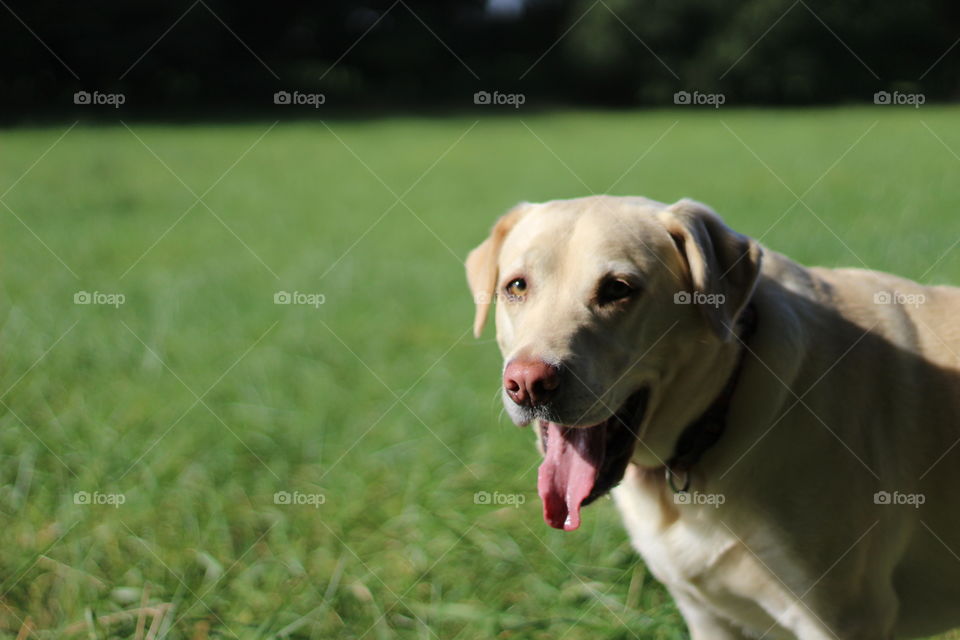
column 212, row 57
column 239, row 397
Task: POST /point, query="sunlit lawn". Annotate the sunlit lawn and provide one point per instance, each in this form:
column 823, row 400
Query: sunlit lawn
column 197, row 399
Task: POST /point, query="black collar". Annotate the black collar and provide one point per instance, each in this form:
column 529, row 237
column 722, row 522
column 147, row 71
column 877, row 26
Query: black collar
column 706, row 430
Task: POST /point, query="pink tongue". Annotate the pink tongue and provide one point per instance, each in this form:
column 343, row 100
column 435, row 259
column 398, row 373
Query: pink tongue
column 568, row 472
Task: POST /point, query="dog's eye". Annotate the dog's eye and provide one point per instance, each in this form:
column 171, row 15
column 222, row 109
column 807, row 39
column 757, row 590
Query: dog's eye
column 516, row 288
column 612, row 290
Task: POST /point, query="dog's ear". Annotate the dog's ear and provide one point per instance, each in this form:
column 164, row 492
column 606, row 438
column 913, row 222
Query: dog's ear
column 723, row 265
column 482, row 265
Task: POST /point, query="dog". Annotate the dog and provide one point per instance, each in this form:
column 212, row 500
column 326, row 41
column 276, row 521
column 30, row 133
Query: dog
column 781, row 441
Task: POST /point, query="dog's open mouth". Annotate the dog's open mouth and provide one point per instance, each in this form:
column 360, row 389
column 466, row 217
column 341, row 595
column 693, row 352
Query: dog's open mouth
column 582, row 464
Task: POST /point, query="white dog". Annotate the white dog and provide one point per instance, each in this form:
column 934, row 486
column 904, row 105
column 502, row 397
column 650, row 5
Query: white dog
column 780, row 440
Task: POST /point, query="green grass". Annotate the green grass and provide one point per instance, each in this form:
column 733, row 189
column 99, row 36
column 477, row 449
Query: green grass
column 378, row 399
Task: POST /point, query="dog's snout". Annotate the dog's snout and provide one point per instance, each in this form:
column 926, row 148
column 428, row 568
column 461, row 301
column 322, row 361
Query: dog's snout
column 530, row 382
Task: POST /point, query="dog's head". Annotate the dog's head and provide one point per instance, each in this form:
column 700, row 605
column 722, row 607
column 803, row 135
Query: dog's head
column 602, row 303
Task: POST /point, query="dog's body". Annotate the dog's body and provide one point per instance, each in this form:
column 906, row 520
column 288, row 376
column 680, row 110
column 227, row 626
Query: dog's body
column 828, row 506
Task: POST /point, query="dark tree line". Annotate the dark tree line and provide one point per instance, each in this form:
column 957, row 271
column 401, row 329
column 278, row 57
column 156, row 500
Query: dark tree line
column 214, row 56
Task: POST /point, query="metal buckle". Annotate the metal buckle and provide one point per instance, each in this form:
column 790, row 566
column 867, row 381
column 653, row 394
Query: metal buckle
column 670, row 480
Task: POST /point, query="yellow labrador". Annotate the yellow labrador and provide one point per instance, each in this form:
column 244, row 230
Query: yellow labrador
column 781, row 441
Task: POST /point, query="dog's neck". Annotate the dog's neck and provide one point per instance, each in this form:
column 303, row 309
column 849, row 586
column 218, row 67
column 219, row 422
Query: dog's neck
column 704, row 432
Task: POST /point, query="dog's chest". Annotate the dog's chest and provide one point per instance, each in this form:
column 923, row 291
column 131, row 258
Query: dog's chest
column 677, row 552
column 700, row 560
